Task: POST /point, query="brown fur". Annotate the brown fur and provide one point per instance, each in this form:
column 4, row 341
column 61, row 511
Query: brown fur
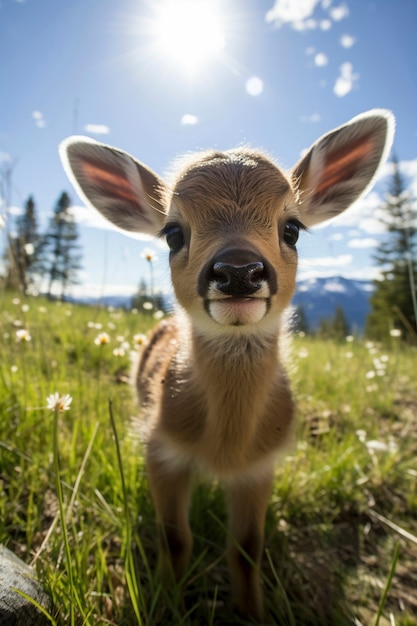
column 213, row 386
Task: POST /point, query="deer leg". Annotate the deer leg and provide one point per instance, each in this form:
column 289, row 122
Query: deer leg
column 248, row 503
column 170, row 487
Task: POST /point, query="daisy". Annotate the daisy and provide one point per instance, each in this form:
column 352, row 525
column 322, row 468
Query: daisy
column 23, row 335
column 102, row 339
column 55, row 402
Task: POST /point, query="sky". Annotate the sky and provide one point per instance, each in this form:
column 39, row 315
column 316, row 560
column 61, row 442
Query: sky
column 159, row 78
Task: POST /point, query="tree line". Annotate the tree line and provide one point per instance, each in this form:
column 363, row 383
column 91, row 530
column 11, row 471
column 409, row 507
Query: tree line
column 48, row 261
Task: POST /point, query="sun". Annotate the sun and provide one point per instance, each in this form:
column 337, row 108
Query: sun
column 188, row 32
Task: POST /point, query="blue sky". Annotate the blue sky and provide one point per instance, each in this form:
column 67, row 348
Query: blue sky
column 272, row 74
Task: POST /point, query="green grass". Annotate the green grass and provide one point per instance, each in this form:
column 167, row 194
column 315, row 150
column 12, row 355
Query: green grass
column 342, row 524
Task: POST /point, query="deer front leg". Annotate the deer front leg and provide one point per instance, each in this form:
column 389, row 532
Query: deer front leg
column 170, row 487
column 248, row 502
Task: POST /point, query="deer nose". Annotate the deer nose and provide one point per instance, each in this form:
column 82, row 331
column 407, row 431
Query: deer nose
column 238, row 280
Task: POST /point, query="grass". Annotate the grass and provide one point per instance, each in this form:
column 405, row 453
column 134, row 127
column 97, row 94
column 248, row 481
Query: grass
column 341, row 531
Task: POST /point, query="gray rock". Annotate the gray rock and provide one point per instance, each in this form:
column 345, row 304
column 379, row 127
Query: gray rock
column 15, row 610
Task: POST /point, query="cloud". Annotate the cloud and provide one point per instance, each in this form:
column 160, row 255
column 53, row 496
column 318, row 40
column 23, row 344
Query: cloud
column 97, row 129
column 254, row 86
column 325, row 24
column 300, row 14
column 347, row 41
column 327, row 261
column 188, row 119
column 366, row 242
column 290, row 11
column 339, row 13
column 336, row 237
column 346, row 81
column 314, row 117
column 5, row 157
column 321, row 59
column 39, row 119
column 15, row 210
column 90, row 218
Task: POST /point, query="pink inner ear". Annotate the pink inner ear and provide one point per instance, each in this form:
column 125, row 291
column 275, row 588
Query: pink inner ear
column 111, row 183
column 343, row 164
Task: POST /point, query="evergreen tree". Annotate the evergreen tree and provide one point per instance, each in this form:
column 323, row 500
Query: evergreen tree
column 27, row 245
column 336, row 327
column 61, row 247
column 394, row 301
column 147, row 302
column 300, row 322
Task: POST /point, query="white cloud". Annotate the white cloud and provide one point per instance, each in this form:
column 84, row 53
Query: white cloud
column 15, row 210
column 314, row 117
column 321, row 59
column 39, row 119
column 339, row 13
column 97, row 290
column 5, row 157
column 346, row 81
column 336, row 237
column 363, row 273
column 347, row 41
column 325, row 24
column 188, row 119
column 366, row 242
column 97, row 129
column 300, row 14
column 291, row 11
column 254, row 86
column 90, row 218
column 327, row 261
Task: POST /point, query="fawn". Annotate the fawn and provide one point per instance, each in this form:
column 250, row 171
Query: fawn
column 211, row 381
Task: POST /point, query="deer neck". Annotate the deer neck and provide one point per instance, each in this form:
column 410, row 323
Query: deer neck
column 235, row 375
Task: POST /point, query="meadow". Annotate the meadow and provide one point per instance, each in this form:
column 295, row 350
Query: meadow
column 341, row 532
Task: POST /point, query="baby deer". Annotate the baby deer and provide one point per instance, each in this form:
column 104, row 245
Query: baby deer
column 212, row 384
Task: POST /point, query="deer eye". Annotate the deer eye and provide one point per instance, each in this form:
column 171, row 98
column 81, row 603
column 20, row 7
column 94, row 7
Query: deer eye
column 291, row 233
column 174, row 237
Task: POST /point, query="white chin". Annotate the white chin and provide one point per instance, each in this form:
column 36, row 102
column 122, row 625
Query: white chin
column 238, row 311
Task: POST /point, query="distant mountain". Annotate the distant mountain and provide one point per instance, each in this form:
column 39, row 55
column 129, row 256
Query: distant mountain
column 319, row 298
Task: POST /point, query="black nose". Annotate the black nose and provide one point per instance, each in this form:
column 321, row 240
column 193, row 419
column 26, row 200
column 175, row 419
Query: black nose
column 237, row 272
column 238, row 280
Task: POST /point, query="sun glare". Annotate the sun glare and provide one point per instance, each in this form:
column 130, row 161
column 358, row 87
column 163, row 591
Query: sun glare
column 188, row 32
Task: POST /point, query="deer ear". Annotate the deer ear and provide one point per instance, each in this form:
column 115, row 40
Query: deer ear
column 342, row 165
column 124, row 191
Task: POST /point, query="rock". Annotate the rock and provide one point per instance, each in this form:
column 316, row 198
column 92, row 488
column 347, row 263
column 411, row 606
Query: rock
column 15, row 610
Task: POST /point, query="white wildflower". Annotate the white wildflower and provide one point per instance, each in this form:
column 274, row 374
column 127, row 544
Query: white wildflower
column 23, row 335
column 55, row 402
column 102, row 339
column 139, row 339
column 395, row 332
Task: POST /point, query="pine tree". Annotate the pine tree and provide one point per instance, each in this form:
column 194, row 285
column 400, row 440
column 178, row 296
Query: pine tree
column 394, row 301
column 27, row 245
column 61, row 247
column 300, row 321
column 336, row 327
